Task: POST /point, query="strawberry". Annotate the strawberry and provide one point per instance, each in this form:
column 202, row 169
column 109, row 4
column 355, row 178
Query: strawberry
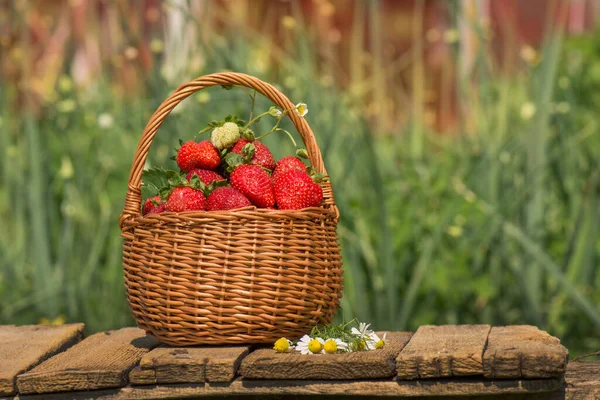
column 295, row 190
column 226, row 198
column 262, row 154
column 158, row 209
column 254, row 183
column 198, row 155
column 288, row 163
column 186, row 199
column 205, row 175
column 209, row 156
column 151, row 203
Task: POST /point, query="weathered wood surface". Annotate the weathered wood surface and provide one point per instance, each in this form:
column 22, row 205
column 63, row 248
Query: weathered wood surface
column 373, row 388
column 23, row 347
column 523, row 352
column 582, row 382
column 100, row 361
column 443, row 351
column 268, row 364
column 139, row 376
column 190, row 364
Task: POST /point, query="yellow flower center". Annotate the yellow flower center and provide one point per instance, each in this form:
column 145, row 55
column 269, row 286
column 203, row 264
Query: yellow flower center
column 281, row 345
column 330, row 346
column 379, row 344
column 315, row 346
column 361, row 345
column 301, row 109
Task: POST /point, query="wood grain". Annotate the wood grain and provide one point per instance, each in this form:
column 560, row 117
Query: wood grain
column 443, row 351
column 100, row 361
column 523, row 351
column 139, row 376
column 24, row 347
column 372, row 388
column 582, row 382
column 268, row 364
column 191, row 364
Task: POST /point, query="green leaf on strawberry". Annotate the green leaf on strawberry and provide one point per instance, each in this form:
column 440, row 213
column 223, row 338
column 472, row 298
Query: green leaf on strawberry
column 153, row 180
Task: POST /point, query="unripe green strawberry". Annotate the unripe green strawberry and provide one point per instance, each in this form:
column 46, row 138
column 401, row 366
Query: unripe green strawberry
column 288, row 163
column 225, row 136
column 254, row 183
column 186, row 199
column 226, row 198
column 295, row 190
column 262, row 154
column 207, row 176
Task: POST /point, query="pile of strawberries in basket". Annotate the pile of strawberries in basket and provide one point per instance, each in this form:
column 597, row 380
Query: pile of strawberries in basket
column 233, row 170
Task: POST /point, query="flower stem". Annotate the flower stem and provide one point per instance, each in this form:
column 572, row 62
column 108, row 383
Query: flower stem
column 278, row 129
column 208, row 128
column 256, row 119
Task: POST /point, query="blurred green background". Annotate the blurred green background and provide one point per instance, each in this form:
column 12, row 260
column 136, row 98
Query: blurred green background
column 462, row 145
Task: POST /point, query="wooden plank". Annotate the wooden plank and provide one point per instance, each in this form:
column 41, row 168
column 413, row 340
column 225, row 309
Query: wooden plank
column 191, row 364
column 268, row 364
column 523, row 352
column 100, row 361
column 443, row 351
column 139, row 376
column 24, row 347
column 371, row 388
column 582, row 382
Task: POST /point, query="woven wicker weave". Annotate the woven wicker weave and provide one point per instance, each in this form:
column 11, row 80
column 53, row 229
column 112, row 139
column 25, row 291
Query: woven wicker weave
column 224, row 277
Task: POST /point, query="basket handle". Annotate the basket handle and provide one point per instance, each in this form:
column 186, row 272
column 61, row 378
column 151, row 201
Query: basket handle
column 133, row 198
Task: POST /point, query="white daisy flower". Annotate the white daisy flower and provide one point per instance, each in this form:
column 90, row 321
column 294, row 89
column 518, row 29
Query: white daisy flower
column 301, row 109
column 363, row 330
column 379, row 344
column 335, row 346
column 374, row 342
column 308, row 345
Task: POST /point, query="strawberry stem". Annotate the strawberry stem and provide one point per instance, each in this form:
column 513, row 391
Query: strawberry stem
column 278, row 129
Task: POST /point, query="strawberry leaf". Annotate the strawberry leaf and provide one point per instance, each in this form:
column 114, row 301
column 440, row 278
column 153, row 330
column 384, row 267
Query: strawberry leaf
column 153, row 180
column 176, row 179
column 208, row 189
column 180, row 142
column 165, row 192
column 247, row 134
column 195, row 181
column 248, row 152
column 232, row 160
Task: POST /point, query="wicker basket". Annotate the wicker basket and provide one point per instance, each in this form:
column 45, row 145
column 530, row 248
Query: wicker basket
column 225, row 277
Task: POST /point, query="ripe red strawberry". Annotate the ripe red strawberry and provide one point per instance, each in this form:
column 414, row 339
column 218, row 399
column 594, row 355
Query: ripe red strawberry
column 295, row 190
column 226, row 198
column 262, row 154
column 151, row 203
column 288, row 163
column 186, row 199
column 198, row 155
column 205, row 175
column 254, row 183
column 209, row 156
column 158, row 209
